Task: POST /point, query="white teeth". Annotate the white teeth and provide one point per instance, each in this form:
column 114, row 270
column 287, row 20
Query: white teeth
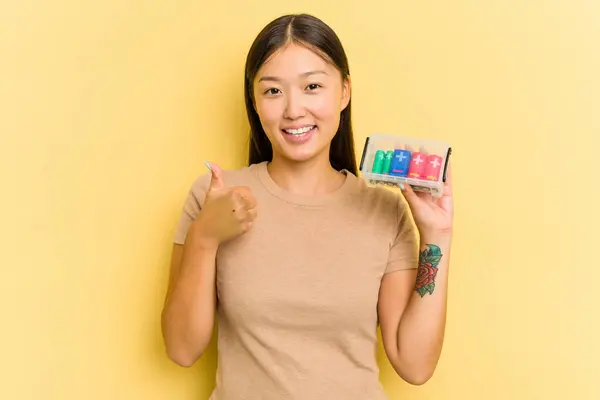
column 300, row 131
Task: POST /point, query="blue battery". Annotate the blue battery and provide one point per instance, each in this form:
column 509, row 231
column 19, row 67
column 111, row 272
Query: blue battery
column 400, row 163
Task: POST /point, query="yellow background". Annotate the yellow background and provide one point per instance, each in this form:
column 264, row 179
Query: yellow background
column 108, row 110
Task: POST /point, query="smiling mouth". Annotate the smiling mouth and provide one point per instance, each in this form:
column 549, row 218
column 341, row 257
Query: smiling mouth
column 299, row 132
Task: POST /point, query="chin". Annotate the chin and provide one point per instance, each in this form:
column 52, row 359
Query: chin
column 301, row 156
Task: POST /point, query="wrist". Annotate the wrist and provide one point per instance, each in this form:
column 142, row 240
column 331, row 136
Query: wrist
column 204, row 243
column 201, row 238
column 199, row 251
column 439, row 238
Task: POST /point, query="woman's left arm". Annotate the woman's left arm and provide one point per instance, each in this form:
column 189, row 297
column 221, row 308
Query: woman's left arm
column 412, row 303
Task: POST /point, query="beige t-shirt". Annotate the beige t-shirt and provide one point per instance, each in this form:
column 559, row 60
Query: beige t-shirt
column 297, row 294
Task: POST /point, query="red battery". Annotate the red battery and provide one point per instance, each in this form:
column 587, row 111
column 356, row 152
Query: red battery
column 417, row 165
column 433, row 166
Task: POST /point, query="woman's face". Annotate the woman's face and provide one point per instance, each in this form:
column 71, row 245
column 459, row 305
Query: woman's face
column 299, row 98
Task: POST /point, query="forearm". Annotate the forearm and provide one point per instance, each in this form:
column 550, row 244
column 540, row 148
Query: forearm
column 189, row 312
column 421, row 328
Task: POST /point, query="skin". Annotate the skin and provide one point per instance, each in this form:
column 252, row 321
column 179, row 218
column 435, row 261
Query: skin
column 294, row 88
column 189, row 310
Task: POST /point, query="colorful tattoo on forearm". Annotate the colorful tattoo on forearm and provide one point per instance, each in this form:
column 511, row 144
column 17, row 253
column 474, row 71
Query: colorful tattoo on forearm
column 428, row 268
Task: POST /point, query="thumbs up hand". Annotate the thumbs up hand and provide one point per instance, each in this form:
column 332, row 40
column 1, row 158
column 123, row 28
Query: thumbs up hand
column 226, row 213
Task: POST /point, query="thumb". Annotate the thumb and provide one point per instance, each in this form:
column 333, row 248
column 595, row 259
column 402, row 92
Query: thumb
column 216, row 180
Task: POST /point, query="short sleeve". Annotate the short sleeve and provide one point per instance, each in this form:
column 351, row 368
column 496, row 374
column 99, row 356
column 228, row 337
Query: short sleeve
column 404, row 251
column 191, row 207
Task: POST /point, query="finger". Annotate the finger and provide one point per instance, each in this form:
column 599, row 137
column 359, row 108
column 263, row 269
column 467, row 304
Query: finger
column 409, row 194
column 425, row 196
column 250, row 202
column 216, row 179
column 251, row 214
column 244, row 215
column 246, row 226
column 242, row 205
column 244, row 194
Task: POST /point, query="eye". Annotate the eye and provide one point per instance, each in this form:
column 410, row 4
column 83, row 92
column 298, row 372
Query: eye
column 272, row 91
column 313, row 86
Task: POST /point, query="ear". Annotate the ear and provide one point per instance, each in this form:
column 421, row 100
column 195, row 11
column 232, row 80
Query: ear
column 346, row 92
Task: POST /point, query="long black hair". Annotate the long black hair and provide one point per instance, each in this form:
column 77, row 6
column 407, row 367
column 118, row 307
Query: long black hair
column 313, row 33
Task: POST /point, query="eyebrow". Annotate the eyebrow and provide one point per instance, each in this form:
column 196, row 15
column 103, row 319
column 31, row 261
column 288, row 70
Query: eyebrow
column 304, row 75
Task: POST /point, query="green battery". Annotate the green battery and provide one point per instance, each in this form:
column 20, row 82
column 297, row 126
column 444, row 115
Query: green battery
column 378, row 162
column 387, row 162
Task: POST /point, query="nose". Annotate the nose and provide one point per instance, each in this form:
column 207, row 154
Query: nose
column 294, row 107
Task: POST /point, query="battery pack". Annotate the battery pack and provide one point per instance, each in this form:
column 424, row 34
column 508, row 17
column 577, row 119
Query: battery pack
column 420, row 163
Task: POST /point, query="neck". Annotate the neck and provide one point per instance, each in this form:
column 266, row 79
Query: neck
column 307, row 178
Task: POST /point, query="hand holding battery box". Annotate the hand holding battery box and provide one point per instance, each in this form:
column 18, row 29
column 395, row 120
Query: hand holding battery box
column 399, row 161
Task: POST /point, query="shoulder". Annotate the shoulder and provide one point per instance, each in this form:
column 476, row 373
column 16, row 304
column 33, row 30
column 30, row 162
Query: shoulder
column 379, row 198
column 386, row 210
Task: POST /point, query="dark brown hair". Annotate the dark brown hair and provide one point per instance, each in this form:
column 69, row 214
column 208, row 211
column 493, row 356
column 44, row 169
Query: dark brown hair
column 313, row 33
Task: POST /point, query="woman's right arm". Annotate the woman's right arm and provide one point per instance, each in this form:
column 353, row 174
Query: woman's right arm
column 189, row 311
